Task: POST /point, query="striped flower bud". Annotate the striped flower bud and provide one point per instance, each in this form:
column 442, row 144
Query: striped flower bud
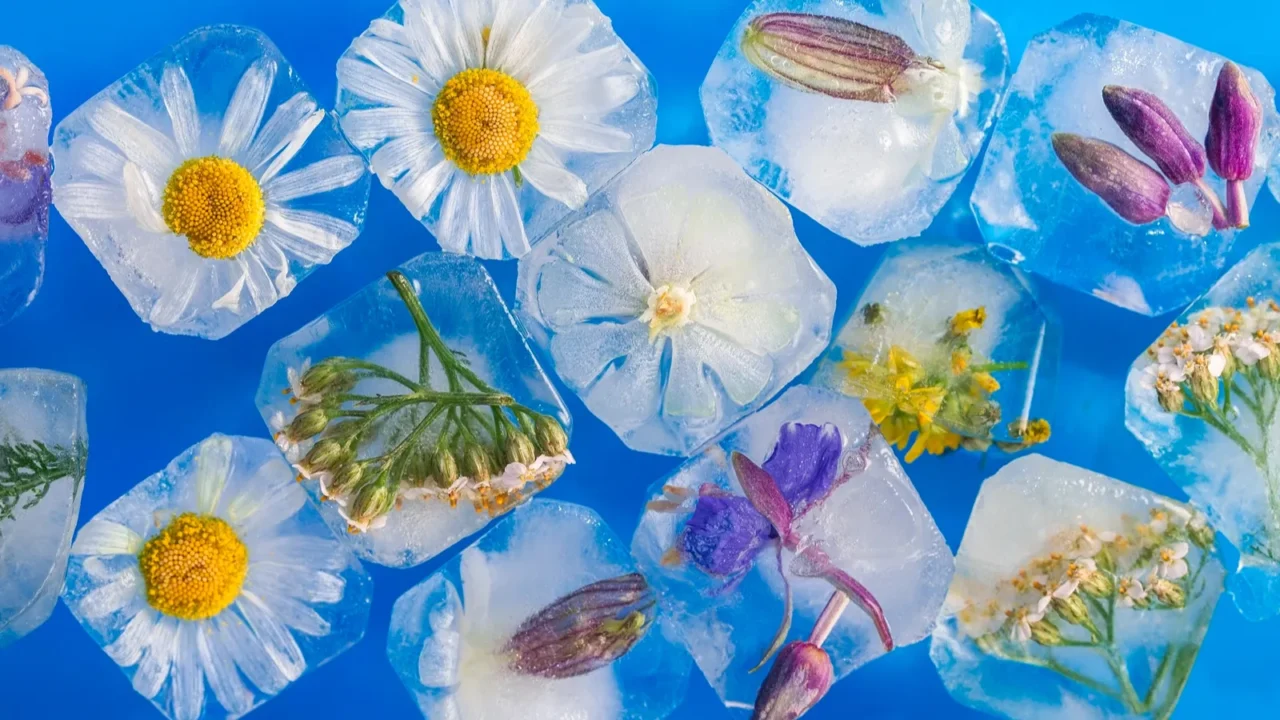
column 520, row 449
column 1235, row 123
column 551, row 436
column 1129, row 186
column 800, row 676
column 1157, row 132
column 444, row 468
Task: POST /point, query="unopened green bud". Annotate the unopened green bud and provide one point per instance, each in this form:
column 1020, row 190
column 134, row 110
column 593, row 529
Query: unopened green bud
column 1168, row 593
column 1105, row 559
column 520, row 449
column 1202, row 536
column 1204, row 384
column 327, row 378
column 475, row 463
column 1046, row 633
column 1097, row 584
column 1269, row 366
column 551, row 436
column 1073, row 610
column 345, row 478
column 372, row 502
column 324, row 456
column 308, row 424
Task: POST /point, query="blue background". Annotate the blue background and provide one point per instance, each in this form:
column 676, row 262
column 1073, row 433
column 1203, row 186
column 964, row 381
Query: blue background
column 151, row 396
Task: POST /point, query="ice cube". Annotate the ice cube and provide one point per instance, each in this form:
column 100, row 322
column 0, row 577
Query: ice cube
column 25, row 117
column 448, row 633
column 43, row 448
column 1035, row 214
column 491, row 148
column 682, row 257
column 214, row 584
column 870, row 170
column 716, row 570
column 376, row 327
column 969, row 334
column 1203, row 401
column 1076, row 596
column 208, row 182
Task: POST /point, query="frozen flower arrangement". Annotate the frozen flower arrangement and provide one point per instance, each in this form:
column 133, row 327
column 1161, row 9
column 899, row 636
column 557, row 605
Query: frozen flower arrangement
column 1069, row 605
column 448, row 436
column 1140, row 194
column 944, row 397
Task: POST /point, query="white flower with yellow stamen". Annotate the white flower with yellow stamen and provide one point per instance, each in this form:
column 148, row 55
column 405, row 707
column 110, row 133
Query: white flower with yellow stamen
column 1173, row 563
column 492, row 119
column 1022, row 619
column 208, row 209
column 1131, row 591
column 216, row 575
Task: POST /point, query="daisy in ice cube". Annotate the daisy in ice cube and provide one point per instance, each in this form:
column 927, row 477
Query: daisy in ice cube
column 214, row 584
column 208, row 182
column 492, row 119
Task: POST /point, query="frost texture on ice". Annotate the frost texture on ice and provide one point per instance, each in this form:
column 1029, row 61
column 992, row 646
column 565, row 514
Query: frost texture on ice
column 25, row 118
column 128, row 130
column 918, row 287
column 685, row 223
column 874, row 527
column 870, row 172
column 464, row 305
column 446, row 630
column 1031, row 508
column 45, row 407
column 1034, row 213
column 1240, row 493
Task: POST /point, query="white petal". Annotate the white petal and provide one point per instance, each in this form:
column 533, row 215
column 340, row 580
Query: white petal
column 250, row 655
column 140, row 143
column 743, row 374
column 433, row 41
column 274, row 636
column 292, row 114
column 323, row 231
column 176, row 296
column 367, row 128
column 557, row 38
column 588, row 351
column 585, row 136
column 126, row 649
column 595, row 98
column 180, row 101
column 594, row 276
column 188, row 675
column 454, row 228
column 302, row 550
column 441, row 650
column 762, row 326
column 90, row 201
column 156, row 661
column 319, row 177
column 247, row 107
column 293, row 247
column 405, row 154
column 291, row 580
column 546, row 172
column 388, row 77
column 112, row 597
column 143, row 198
column 389, row 30
column 508, row 221
column 97, row 159
column 573, row 71
column 477, row 587
column 420, row 188
column 233, row 298
column 299, row 616
column 266, row 504
column 220, row 668
column 517, row 29
column 273, row 259
column 103, row 537
column 213, row 466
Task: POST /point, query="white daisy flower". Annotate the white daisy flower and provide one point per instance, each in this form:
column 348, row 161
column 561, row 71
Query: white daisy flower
column 207, row 210
column 492, row 119
column 207, row 575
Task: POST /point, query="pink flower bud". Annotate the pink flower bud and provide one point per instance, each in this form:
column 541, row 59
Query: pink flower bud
column 1132, row 188
column 1235, row 122
column 800, row 676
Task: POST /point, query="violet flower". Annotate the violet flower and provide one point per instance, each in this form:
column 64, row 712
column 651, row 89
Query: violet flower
column 1156, row 130
column 726, row 533
column 1132, row 188
column 24, row 190
column 1235, row 122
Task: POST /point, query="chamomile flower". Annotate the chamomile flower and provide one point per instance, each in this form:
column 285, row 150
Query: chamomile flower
column 216, row 574
column 207, row 209
column 492, row 119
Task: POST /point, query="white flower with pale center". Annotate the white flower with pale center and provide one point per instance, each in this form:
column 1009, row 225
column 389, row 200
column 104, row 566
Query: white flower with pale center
column 1131, row 591
column 1171, row 362
column 279, row 432
column 195, row 215
column 213, row 588
column 1022, row 620
column 473, row 111
column 299, row 394
column 1076, row 572
column 1173, row 564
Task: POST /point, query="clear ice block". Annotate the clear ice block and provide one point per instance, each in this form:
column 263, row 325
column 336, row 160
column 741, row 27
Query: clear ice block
column 682, row 257
column 966, row 332
column 870, row 171
column 43, row 448
column 1035, row 214
column 25, row 118
column 1076, row 596
column 871, row 524
column 374, row 326
column 214, row 584
column 208, row 182
column 492, row 122
column 448, row 631
column 1203, row 401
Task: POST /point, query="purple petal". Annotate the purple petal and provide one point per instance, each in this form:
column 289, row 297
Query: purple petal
column 1134, row 189
column 763, row 492
column 805, row 462
column 24, row 189
column 813, row 562
column 724, row 534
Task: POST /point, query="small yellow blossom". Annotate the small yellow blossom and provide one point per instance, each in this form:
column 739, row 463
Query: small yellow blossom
column 967, row 321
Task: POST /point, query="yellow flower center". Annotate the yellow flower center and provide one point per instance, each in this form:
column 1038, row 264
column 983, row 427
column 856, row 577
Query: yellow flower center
column 217, row 204
column 669, row 308
column 194, row 568
column 485, row 121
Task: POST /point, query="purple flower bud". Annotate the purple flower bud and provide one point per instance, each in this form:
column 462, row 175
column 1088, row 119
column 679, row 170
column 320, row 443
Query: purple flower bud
column 584, row 630
column 1235, row 122
column 1132, row 188
column 1157, row 132
column 800, row 676
column 828, row 55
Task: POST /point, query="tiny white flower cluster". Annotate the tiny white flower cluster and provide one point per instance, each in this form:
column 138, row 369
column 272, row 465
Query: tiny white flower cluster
column 1148, row 565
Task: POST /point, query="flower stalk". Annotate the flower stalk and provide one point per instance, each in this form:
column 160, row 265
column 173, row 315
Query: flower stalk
column 447, row 435
column 29, row 469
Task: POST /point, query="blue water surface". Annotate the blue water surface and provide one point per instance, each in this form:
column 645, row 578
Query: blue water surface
column 151, row 396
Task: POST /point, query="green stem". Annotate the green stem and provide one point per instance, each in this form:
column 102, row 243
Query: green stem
column 380, row 371
column 1000, row 366
column 1161, row 670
